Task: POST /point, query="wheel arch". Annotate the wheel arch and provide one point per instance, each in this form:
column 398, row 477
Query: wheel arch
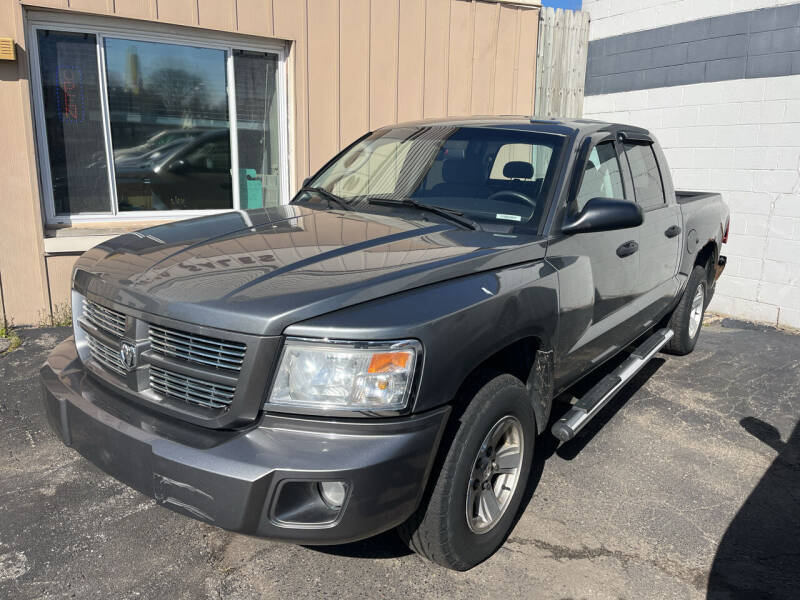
column 530, row 360
column 709, row 252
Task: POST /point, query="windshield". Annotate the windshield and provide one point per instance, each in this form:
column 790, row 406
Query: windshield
column 490, row 175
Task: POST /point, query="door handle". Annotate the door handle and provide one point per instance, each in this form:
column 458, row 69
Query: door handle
column 627, row 249
column 672, row 231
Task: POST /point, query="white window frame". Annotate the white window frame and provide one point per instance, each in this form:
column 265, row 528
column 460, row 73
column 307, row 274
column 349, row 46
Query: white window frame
column 103, row 27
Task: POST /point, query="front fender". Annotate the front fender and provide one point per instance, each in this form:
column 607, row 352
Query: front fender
column 461, row 323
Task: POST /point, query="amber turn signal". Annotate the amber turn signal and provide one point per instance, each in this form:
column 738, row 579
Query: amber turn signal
column 386, row 362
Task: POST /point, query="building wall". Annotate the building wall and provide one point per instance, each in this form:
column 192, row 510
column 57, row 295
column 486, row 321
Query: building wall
column 721, row 91
column 616, row 17
column 354, row 65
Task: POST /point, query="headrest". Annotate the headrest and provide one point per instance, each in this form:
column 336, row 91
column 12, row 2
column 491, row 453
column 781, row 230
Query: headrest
column 518, row 169
column 462, row 170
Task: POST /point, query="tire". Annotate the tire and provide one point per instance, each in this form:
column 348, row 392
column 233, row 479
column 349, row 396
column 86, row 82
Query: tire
column 683, row 320
column 441, row 530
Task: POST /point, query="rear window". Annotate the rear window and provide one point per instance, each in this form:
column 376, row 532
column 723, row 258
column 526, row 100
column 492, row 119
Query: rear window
column 647, row 182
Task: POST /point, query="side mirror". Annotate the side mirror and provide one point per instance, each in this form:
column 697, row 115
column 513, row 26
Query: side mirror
column 306, row 181
column 604, row 214
column 178, row 166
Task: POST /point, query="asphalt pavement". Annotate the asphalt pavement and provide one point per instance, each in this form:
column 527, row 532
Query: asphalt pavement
column 686, row 486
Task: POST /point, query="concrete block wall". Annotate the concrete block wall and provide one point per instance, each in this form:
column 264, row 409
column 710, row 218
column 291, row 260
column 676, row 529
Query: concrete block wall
column 615, row 17
column 741, row 137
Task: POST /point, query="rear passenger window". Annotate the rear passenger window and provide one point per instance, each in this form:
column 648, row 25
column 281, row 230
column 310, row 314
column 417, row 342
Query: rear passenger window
column 646, row 177
column 521, row 162
column 601, row 178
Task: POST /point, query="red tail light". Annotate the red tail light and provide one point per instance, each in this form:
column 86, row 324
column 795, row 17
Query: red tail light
column 727, row 230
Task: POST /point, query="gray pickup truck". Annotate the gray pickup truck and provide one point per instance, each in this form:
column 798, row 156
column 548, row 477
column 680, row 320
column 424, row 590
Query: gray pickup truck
column 383, row 351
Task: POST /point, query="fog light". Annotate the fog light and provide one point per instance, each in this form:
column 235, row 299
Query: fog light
column 332, row 493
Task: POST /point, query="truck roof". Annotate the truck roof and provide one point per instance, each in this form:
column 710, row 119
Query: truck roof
column 519, row 122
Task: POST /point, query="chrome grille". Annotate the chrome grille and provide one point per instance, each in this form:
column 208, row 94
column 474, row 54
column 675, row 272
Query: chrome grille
column 105, row 355
column 190, row 389
column 104, row 318
column 197, row 348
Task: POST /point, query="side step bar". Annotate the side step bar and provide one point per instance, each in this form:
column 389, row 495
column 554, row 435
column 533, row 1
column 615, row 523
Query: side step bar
column 587, row 407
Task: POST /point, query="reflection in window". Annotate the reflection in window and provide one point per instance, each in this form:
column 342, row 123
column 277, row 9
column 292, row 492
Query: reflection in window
column 73, row 122
column 257, row 128
column 601, row 178
column 168, row 109
column 646, row 176
column 165, row 120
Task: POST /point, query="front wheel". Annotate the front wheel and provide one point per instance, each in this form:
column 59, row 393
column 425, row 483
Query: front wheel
column 687, row 318
column 474, row 501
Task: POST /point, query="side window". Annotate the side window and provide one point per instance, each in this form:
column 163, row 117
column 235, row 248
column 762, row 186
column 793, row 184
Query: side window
column 646, row 177
column 602, row 178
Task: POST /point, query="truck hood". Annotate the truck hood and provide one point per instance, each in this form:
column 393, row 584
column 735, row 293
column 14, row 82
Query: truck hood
column 260, row 271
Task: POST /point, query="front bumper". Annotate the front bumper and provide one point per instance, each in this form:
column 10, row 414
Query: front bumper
column 258, row 481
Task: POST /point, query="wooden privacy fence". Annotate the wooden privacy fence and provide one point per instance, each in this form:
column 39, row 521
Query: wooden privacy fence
column 561, row 62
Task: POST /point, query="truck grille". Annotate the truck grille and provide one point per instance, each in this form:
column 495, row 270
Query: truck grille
column 198, row 349
column 105, row 318
column 206, row 379
column 105, row 355
column 190, row 389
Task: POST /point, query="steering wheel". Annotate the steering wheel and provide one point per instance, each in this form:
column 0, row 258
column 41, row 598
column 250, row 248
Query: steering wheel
column 513, row 195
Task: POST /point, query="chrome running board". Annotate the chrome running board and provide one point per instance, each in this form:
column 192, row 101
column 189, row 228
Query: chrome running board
column 587, row 407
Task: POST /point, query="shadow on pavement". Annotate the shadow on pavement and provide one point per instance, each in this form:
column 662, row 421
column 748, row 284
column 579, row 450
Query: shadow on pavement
column 385, row 545
column 759, row 555
column 571, row 449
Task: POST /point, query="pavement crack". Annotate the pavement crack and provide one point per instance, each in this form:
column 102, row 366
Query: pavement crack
column 692, row 576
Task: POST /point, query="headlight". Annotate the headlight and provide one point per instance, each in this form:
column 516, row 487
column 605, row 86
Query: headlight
column 345, row 375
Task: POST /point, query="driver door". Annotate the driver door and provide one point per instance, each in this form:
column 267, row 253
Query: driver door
column 597, row 271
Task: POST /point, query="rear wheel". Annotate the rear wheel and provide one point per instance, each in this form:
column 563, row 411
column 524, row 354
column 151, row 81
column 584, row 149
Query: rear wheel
column 687, row 318
column 473, row 503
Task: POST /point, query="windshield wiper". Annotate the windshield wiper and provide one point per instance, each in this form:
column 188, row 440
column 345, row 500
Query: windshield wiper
column 329, row 196
column 447, row 213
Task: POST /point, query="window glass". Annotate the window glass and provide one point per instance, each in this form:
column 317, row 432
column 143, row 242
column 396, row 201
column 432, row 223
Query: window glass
column 73, row 122
column 168, row 125
column 162, row 98
column 530, row 162
column 601, row 178
column 257, row 128
column 646, row 176
column 449, row 167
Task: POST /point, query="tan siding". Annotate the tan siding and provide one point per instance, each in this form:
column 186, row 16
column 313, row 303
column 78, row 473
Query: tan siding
column 290, row 23
column 182, row 12
column 137, row 9
column 459, row 70
column 437, row 40
column 411, row 60
column 95, row 6
column 323, row 80
column 353, row 65
column 216, row 14
column 505, row 69
column 483, row 57
column 254, row 17
column 529, row 26
column 354, row 71
column 383, row 63
column 59, row 271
